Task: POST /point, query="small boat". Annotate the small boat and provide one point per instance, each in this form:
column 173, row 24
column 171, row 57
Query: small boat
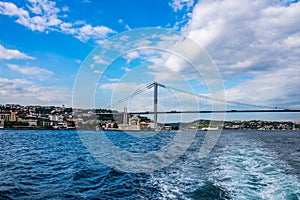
column 210, row 129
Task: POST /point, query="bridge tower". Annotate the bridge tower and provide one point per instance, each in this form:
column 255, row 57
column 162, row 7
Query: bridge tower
column 155, row 100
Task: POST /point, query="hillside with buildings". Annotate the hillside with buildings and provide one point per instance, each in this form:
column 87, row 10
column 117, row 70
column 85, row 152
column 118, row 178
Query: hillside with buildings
column 14, row 116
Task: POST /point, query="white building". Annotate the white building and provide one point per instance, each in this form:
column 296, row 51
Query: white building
column 132, row 123
column 1, row 123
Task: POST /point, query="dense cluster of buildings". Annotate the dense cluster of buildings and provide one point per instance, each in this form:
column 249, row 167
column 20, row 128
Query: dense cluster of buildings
column 262, row 125
column 59, row 117
column 44, row 117
column 135, row 122
column 245, row 125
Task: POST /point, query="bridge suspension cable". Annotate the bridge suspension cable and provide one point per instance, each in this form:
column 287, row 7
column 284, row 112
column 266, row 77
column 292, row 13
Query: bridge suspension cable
column 147, row 87
column 220, row 100
column 135, row 93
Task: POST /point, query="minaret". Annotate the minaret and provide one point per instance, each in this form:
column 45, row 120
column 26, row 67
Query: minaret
column 125, row 116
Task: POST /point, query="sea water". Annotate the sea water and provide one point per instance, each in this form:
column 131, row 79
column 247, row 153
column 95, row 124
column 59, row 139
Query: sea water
column 244, row 164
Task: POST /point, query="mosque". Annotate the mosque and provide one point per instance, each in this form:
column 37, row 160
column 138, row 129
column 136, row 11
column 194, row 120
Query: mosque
column 130, row 123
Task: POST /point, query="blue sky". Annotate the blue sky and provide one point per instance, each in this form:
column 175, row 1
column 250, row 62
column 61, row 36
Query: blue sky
column 254, row 44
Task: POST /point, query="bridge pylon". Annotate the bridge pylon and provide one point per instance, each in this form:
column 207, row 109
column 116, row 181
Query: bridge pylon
column 155, row 101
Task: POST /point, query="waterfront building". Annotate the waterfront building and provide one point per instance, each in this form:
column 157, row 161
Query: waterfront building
column 134, row 123
column 1, row 123
column 31, row 120
column 130, row 123
column 8, row 116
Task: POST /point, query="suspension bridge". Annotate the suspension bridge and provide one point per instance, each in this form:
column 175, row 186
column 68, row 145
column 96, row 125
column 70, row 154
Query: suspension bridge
column 254, row 108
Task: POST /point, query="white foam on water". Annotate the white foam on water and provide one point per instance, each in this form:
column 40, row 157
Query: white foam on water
column 181, row 178
column 237, row 169
column 249, row 171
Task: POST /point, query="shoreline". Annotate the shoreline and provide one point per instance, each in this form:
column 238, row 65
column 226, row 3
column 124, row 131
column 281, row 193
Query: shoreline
column 74, row 129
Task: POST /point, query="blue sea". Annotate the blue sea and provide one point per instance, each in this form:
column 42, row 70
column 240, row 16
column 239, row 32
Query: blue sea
column 244, row 164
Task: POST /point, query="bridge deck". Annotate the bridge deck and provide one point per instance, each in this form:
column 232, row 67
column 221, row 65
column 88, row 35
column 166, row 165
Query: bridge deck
column 207, row 111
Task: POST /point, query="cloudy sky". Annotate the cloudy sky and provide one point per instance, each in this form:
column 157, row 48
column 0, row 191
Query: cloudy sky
column 254, row 44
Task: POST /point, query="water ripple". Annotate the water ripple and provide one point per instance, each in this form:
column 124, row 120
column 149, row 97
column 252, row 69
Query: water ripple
column 243, row 165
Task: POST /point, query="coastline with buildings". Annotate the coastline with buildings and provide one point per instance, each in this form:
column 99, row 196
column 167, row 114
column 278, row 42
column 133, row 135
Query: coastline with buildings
column 14, row 116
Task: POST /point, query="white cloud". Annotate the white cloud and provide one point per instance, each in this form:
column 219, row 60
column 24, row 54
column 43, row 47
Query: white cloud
column 293, row 41
column 77, row 61
column 124, row 38
column 279, row 88
column 97, row 72
column 67, row 28
column 179, row 5
column 8, row 54
column 97, row 32
column 126, row 69
column 256, row 38
column 122, row 86
column 44, row 16
column 39, row 7
column 164, row 74
column 113, row 79
column 241, row 65
column 183, row 8
column 65, row 9
column 10, row 9
column 4, row 81
column 234, row 32
column 130, row 56
column 25, row 92
column 163, row 65
column 127, row 27
column 31, row 71
column 98, row 59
